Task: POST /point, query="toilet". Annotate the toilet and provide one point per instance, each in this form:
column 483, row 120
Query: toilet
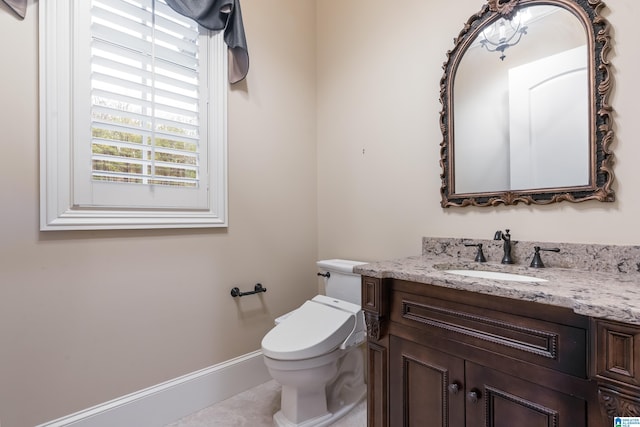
column 315, row 352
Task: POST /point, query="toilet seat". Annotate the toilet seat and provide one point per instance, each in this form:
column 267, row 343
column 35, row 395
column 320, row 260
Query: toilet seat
column 304, row 364
column 301, row 336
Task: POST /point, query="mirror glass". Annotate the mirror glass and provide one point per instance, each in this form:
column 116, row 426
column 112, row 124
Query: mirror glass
column 520, row 98
column 525, row 91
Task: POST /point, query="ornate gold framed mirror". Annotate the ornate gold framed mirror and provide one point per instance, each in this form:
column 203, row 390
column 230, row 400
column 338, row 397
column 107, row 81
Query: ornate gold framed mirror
column 525, row 114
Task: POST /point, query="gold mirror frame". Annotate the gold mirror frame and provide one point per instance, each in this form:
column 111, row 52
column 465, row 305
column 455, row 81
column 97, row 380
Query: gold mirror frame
column 600, row 121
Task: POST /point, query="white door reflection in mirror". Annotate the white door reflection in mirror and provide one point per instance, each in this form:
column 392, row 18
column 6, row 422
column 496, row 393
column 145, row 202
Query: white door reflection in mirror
column 549, row 122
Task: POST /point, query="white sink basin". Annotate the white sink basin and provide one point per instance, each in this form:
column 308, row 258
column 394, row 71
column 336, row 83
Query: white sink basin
column 496, row 275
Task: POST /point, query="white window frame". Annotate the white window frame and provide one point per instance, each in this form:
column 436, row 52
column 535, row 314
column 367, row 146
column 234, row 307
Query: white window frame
column 59, row 64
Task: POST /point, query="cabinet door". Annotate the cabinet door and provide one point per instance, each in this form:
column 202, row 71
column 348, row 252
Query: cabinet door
column 495, row 399
column 426, row 386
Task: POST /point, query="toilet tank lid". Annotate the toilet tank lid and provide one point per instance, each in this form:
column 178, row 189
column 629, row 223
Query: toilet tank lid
column 339, row 265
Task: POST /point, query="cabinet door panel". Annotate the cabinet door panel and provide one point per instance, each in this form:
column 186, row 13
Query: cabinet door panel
column 426, row 386
column 506, row 401
column 377, row 391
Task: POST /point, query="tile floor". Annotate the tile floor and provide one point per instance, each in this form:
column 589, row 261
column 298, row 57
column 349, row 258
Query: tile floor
column 255, row 408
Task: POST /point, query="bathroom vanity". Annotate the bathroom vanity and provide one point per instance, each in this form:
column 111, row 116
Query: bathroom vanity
column 505, row 344
column 471, row 351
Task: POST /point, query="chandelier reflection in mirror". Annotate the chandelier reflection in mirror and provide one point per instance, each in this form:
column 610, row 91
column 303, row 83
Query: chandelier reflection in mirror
column 505, row 32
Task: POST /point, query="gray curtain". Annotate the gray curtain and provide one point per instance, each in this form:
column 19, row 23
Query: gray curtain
column 218, row 15
column 18, row 6
column 215, row 15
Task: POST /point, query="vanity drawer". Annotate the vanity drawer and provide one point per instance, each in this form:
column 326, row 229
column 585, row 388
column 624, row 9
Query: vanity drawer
column 553, row 345
column 617, row 351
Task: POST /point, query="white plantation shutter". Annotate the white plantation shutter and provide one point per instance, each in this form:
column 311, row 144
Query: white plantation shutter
column 147, row 114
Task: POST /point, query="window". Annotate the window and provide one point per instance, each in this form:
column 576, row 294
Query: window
column 133, row 120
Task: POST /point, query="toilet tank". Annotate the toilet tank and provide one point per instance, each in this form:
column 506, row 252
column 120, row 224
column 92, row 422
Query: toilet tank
column 341, row 282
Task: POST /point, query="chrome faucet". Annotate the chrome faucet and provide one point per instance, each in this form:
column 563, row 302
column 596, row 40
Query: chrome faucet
column 506, row 259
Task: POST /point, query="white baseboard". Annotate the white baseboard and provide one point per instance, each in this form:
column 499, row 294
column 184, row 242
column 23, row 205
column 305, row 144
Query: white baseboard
column 167, row 402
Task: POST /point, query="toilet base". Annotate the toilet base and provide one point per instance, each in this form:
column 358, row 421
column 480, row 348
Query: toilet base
column 336, row 411
column 322, row 405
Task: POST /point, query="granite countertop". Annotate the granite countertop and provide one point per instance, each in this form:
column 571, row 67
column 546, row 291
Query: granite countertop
column 601, row 293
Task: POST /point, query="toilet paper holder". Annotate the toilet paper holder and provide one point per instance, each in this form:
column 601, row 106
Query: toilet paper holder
column 258, row 288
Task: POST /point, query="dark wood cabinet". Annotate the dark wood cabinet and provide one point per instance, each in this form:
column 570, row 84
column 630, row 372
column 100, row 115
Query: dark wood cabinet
column 451, row 358
column 426, row 384
column 616, row 350
column 502, row 400
column 448, row 391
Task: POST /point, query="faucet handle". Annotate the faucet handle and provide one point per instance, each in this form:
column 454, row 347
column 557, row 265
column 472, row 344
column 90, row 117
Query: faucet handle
column 536, row 262
column 502, row 235
column 479, row 254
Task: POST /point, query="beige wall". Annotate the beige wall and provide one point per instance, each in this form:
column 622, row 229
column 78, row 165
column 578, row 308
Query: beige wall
column 86, row 317
column 379, row 67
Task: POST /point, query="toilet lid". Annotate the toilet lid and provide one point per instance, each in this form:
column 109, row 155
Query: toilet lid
column 312, row 330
